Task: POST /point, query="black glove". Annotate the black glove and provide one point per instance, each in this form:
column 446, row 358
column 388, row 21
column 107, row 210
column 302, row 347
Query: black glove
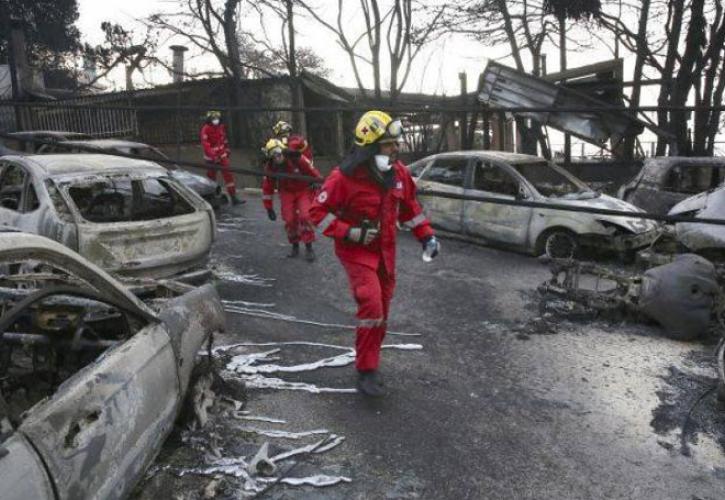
column 363, row 235
column 272, row 214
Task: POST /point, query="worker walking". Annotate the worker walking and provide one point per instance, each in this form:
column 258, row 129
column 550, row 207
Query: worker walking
column 294, row 194
column 359, row 205
column 283, row 131
column 216, row 153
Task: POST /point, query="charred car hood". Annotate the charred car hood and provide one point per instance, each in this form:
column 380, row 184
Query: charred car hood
column 633, row 224
column 707, row 205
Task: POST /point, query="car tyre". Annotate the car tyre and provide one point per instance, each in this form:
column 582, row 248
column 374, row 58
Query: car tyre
column 559, row 244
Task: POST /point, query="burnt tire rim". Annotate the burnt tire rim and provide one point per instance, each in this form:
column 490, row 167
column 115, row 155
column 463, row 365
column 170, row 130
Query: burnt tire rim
column 560, row 245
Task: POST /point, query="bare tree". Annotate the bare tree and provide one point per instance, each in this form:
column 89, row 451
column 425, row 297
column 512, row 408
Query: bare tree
column 687, row 53
column 394, row 35
column 120, row 48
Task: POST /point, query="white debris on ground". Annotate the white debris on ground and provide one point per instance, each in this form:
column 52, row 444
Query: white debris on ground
column 261, row 471
column 224, row 273
column 250, row 367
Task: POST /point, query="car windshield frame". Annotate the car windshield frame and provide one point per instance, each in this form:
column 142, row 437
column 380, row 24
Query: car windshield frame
column 581, row 186
column 83, row 181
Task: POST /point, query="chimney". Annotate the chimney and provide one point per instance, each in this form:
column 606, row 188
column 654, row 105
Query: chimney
column 178, row 62
column 89, row 69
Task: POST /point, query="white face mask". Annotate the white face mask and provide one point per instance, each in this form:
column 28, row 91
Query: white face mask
column 215, row 121
column 383, row 162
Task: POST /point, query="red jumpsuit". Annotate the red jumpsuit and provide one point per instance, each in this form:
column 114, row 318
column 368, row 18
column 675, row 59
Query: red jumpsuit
column 216, row 151
column 294, row 196
column 345, row 201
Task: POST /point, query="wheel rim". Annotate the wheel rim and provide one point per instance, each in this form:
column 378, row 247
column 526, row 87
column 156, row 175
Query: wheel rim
column 560, row 246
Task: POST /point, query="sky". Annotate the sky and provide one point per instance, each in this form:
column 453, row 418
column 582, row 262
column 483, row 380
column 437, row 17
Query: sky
column 436, row 70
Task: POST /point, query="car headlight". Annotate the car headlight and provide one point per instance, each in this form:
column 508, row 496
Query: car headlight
column 614, row 229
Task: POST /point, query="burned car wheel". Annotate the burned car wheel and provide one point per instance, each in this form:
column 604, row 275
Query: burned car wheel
column 559, row 244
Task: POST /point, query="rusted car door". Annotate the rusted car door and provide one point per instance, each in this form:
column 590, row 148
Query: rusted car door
column 106, row 423
column 446, row 174
column 501, row 223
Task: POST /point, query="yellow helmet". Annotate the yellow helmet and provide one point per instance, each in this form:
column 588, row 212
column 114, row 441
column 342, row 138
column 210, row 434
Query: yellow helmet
column 210, row 115
column 377, row 126
column 273, row 147
column 282, row 128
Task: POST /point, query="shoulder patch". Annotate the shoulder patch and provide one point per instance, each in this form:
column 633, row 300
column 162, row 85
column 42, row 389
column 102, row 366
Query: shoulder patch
column 322, row 197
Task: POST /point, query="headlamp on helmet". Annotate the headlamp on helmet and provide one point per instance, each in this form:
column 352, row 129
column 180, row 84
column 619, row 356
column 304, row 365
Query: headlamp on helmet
column 377, row 126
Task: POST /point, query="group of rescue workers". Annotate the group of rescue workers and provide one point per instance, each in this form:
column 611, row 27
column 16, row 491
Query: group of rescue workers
column 359, row 205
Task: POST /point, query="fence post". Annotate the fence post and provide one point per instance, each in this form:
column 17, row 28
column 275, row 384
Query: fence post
column 486, row 129
column 464, row 117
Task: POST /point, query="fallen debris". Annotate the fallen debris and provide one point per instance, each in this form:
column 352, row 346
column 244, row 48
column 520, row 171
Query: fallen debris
column 681, row 296
column 261, row 464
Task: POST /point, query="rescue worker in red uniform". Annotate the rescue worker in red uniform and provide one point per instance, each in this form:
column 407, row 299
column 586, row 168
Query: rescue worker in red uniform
column 294, row 194
column 359, row 205
column 216, row 152
column 283, row 131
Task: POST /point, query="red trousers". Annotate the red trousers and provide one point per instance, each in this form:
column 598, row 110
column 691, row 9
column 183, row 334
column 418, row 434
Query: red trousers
column 229, row 183
column 373, row 291
column 296, row 215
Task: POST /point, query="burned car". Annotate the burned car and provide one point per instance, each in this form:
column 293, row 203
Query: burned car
column 705, row 239
column 665, row 181
column 25, row 141
column 127, row 216
column 511, row 176
column 91, row 379
column 205, row 187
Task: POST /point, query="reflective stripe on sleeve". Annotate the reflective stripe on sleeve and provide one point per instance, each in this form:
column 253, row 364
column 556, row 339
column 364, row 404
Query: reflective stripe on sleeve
column 325, row 223
column 415, row 221
column 267, row 197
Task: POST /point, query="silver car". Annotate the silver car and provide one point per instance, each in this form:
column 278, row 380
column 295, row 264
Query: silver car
column 511, row 176
column 205, row 187
column 127, row 216
column 91, row 379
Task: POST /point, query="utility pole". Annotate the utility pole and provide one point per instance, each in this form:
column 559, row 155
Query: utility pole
column 464, row 117
column 16, row 34
column 178, row 78
column 562, row 67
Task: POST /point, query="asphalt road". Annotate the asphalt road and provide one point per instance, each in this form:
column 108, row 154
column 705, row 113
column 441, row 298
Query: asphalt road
column 489, row 408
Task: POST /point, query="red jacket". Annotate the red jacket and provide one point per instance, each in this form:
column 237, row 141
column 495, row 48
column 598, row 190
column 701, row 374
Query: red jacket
column 298, row 166
column 214, row 142
column 346, row 200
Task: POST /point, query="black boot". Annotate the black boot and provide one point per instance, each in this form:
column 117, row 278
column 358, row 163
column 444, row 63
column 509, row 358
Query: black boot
column 368, row 385
column 295, row 252
column 309, row 253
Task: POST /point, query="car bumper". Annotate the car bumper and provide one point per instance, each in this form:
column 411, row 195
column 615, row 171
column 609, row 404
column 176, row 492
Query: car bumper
column 627, row 242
